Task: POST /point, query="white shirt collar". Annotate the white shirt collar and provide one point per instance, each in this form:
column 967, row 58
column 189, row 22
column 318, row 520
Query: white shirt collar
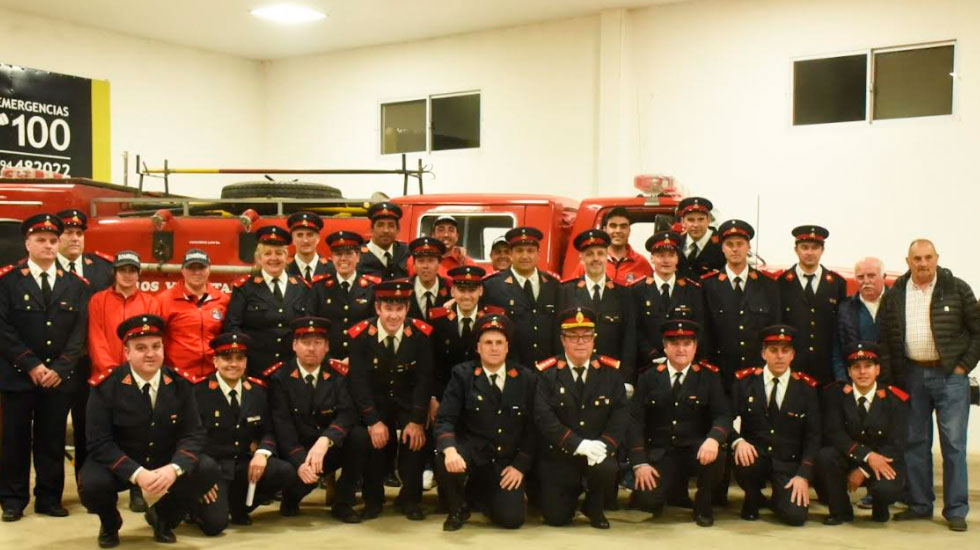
column 731, row 274
column 64, row 262
column 589, row 283
column 351, row 281
column 382, row 334
column 673, row 372
column 36, row 271
column 303, row 373
column 283, row 279
column 226, row 389
column 520, row 280
column 380, row 252
column 420, row 289
column 911, row 286
column 501, row 376
column 140, row 381
column 801, row 275
column 585, row 373
column 702, row 242
column 870, row 396
column 660, row 282
column 768, row 376
column 302, row 265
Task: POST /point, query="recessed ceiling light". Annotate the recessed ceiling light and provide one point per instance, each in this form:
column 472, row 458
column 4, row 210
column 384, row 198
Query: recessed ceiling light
column 288, row 14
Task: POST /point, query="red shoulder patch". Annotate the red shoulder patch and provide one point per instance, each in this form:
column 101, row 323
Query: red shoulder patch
column 296, row 281
column 847, row 388
column 551, row 274
column 339, row 367
column 257, row 381
column 83, row 279
column 708, row 366
column 722, row 277
column 512, row 373
column 438, row 313
column 899, row 393
column 6, row 269
column 213, row 385
column 494, row 310
column 373, row 279
column 744, row 372
column 241, row 281
column 321, row 277
column 712, row 273
column 546, row 364
column 269, row 371
column 661, row 367
column 609, row 361
column 357, row 329
column 806, row 378
column 788, row 275
column 426, row 328
column 107, row 257
column 753, row 274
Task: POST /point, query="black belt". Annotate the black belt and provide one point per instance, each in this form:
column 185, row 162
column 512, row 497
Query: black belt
column 927, row 364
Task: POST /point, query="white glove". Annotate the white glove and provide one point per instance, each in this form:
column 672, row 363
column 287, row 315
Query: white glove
column 594, row 451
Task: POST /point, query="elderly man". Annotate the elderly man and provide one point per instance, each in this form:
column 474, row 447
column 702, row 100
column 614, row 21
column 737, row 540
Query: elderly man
column 930, row 340
column 857, row 317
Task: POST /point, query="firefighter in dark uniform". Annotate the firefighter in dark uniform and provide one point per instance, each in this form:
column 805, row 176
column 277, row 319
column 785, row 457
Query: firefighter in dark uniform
column 384, row 256
column 485, row 431
column 315, row 420
column 42, row 334
column 430, row 289
column 780, row 433
column 304, row 229
column 865, row 430
column 262, row 305
column 347, row 296
column 664, row 295
column 96, row 268
column 235, row 412
column 681, row 422
column 391, row 383
column 529, row 297
column 144, row 429
column 611, row 302
column 810, row 295
column 700, row 253
column 581, row 412
column 739, row 303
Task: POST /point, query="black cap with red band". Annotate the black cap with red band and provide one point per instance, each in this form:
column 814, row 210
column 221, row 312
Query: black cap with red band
column 305, row 326
column 42, row 222
column 230, row 342
column 141, row 325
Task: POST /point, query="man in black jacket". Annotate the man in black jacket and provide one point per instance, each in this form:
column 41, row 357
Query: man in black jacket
column 484, row 430
column 384, row 256
column 144, row 429
column 865, row 428
column 701, row 250
column 930, row 341
column 858, row 318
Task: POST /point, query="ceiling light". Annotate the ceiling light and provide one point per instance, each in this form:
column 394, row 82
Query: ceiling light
column 288, row 14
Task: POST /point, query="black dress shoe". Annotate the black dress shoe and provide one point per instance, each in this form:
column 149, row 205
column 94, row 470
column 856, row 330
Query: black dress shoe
column 750, row 515
column 599, row 521
column 370, row 512
column 108, row 538
column 906, row 515
column 136, row 501
column 837, row 520
column 454, row 522
column 162, row 532
column 288, row 509
column 879, row 512
column 704, row 521
column 241, row 518
column 345, row 514
column 414, row 513
column 957, row 524
column 392, row 481
column 12, row 515
column 55, row 511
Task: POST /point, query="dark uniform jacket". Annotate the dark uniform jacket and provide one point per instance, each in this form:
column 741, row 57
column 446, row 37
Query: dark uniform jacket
column 384, row 384
column 815, row 321
column 397, row 269
column 439, row 298
column 32, row 333
column 449, row 348
column 484, row 427
column 709, row 259
column 300, row 416
column 659, row 424
column 884, row 431
column 731, row 338
column 123, row 434
column 344, row 309
column 97, row 270
column 685, row 302
column 615, row 322
column 229, row 438
column 792, row 438
column 254, row 310
column 854, row 324
column 535, row 327
column 564, row 421
column 322, row 267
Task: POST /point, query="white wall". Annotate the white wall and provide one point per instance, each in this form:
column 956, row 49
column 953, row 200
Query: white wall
column 538, row 86
column 193, row 107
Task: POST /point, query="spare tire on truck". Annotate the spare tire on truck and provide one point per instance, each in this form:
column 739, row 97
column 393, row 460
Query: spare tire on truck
column 280, row 190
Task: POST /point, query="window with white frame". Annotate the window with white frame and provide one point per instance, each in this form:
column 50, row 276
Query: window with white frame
column 882, row 83
column 436, row 123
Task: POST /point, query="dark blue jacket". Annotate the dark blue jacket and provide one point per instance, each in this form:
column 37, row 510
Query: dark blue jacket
column 854, row 324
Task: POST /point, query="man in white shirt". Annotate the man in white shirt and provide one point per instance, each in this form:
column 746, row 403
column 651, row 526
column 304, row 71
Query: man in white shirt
column 305, row 230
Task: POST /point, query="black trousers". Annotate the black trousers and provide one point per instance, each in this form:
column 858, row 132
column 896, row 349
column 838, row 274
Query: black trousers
column 213, row 518
column 504, row 507
column 34, row 424
column 560, row 478
column 833, row 468
column 754, row 477
column 675, row 468
column 349, row 458
column 99, row 487
column 78, row 403
column 410, row 465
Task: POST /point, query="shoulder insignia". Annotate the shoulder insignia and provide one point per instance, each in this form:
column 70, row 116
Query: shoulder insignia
column 213, row 385
column 561, row 364
column 372, row 330
column 294, row 373
column 899, row 393
column 512, row 373
column 649, row 280
column 107, row 257
column 509, row 280
column 241, row 281
column 257, row 279
column 848, row 388
column 806, row 378
column 6, row 269
column 83, row 279
column 661, row 367
column 323, row 260
column 494, row 310
column 788, row 275
column 714, row 239
column 407, row 331
column 722, row 277
column 426, row 328
column 478, row 371
column 438, row 313
column 708, row 366
column 713, row 273
column 87, row 261
column 696, row 367
column 325, row 374
column 167, row 380
column 609, row 361
column 753, row 274
column 610, row 284
column 744, row 372
column 881, row 394
column 25, row 272
column 442, row 291
column 692, row 282
column 373, row 279
column 357, row 329
column 269, row 371
column 681, row 282
column 546, row 364
column 318, row 278
column 247, row 385
column 579, row 284
column 128, row 380
column 257, row 381
column 296, row 281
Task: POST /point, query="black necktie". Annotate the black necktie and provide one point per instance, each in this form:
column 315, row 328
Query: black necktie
column 773, row 404
column 428, row 302
column 596, row 298
column 665, row 293
column 276, row 291
column 528, row 290
column 862, row 409
column 387, row 259
column 494, row 386
column 675, row 389
column 71, row 267
column 45, row 288
column 738, row 286
column 693, row 255
column 309, row 274
column 579, row 381
column 467, row 332
column 390, row 344
column 808, row 291
column 346, row 286
column 309, row 380
column 236, row 408
column 146, row 396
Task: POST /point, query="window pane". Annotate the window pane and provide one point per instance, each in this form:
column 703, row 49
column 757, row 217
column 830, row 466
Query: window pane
column 456, row 122
column 913, row 83
column 403, row 127
column 476, row 231
column 830, row 89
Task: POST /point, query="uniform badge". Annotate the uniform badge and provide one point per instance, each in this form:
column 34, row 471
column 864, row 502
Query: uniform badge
column 216, row 314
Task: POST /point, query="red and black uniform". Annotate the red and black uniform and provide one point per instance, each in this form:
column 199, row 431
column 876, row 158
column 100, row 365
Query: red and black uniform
column 192, row 322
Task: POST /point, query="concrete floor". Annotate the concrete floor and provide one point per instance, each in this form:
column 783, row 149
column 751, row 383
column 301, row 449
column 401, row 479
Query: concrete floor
column 630, row 529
